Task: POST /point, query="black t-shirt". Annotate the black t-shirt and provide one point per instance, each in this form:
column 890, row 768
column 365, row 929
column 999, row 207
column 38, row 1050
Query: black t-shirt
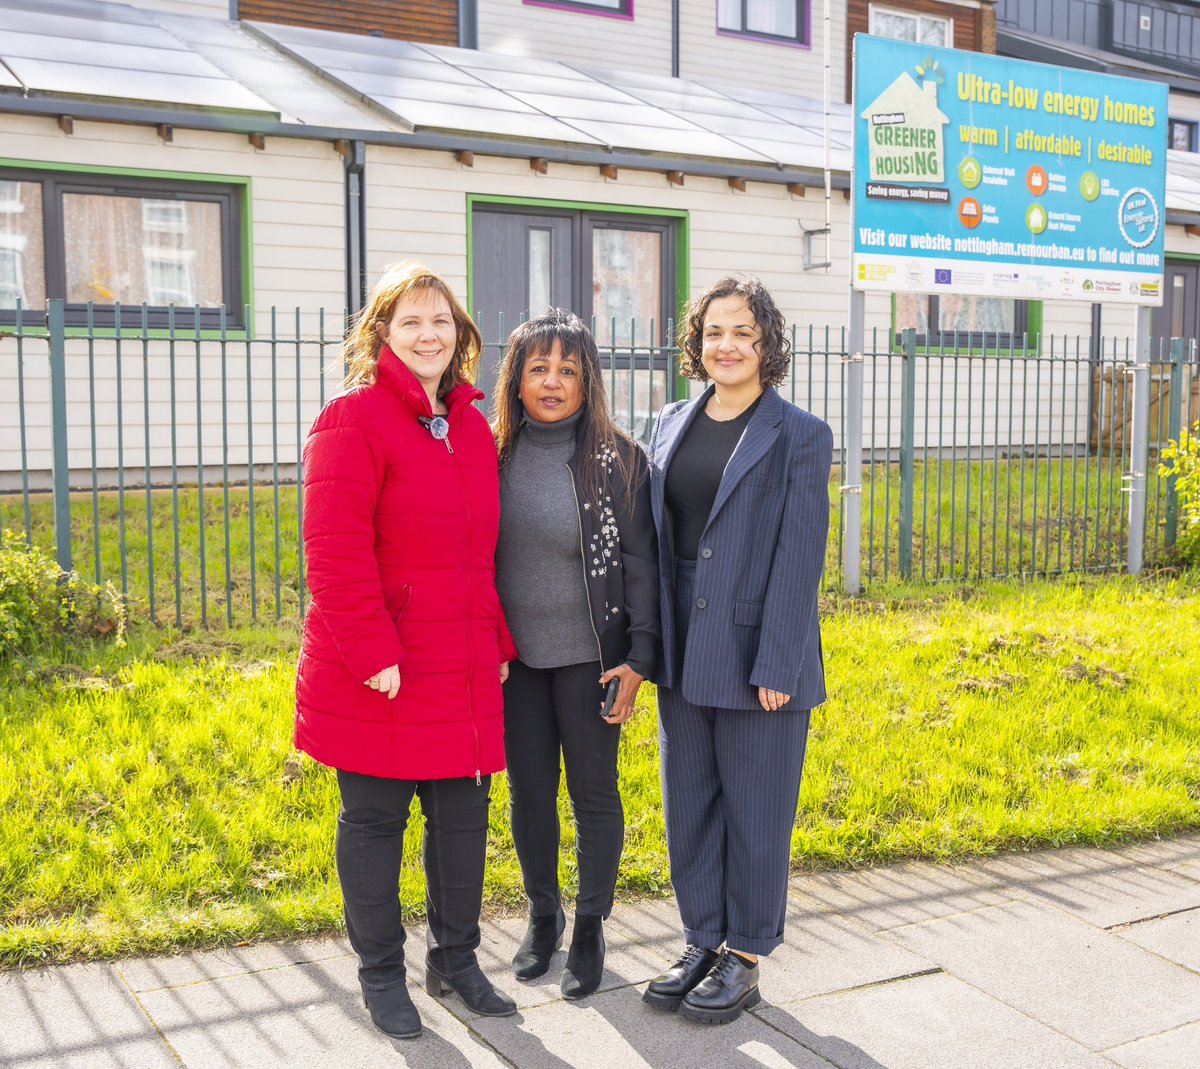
column 695, row 475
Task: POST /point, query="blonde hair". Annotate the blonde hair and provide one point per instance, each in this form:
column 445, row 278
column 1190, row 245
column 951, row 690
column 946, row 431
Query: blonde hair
column 361, row 348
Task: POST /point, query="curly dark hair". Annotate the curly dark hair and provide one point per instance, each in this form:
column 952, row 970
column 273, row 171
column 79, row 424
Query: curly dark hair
column 774, row 347
column 597, row 430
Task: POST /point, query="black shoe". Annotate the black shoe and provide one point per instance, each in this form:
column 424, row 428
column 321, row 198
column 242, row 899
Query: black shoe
column 585, row 959
column 392, row 1011
column 472, row 987
column 669, row 990
column 542, row 938
column 731, row 986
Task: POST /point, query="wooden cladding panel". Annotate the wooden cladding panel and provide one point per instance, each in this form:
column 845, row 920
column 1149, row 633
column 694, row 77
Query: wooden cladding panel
column 969, row 28
column 433, row 22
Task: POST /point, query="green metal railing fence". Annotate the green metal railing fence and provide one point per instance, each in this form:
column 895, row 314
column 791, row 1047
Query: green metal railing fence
column 167, row 460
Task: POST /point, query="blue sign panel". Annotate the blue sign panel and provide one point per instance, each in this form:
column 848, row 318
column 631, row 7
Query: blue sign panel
column 984, row 175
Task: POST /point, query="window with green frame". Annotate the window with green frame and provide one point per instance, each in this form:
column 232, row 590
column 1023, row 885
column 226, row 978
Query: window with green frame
column 952, row 320
column 109, row 241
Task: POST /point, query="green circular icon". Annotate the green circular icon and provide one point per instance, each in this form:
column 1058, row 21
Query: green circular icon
column 970, row 173
column 1036, row 218
column 1089, row 185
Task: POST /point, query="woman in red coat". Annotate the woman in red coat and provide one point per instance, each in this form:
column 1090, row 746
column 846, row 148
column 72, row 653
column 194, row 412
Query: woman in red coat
column 405, row 645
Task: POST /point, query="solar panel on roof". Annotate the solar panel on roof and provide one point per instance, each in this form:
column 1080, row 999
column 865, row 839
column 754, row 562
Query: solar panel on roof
column 421, row 88
column 299, row 95
column 113, row 52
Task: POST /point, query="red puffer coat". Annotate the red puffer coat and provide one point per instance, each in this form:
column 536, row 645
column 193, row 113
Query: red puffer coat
column 400, row 544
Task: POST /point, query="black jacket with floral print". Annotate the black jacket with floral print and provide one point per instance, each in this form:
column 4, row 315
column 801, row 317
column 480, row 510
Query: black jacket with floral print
column 620, row 563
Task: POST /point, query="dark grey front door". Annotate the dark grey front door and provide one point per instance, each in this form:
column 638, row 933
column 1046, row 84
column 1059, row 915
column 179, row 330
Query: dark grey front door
column 521, row 265
column 616, row 270
column 1179, row 316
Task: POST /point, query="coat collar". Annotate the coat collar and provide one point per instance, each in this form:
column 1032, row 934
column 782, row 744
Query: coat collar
column 757, row 438
column 394, row 375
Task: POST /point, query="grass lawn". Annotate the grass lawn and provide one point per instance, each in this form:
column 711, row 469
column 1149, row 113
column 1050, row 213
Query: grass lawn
column 150, row 798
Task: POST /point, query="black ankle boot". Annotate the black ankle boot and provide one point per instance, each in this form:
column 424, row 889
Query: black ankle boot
column 543, row 937
column 585, row 959
column 470, row 985
column 392, row 1011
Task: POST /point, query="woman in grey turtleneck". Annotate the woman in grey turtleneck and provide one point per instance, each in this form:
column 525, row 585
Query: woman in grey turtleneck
column 577, row 574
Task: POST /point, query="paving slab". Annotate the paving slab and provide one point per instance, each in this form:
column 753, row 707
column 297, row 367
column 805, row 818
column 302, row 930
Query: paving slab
column 922, row 1023
column 883, row 898
column 1176, row 938
column 150, row 974
column 306, row 1016
column 616, row 1030
column 1105, row 889
column 1177, row 1049
column 1178, row 853
column 653, row 924
column 1089, row 984
column 75, row 1017
column 824, row 952
column 626, row 962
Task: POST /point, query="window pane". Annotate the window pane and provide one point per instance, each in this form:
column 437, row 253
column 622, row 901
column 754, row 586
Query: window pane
column 137, row 250
column 976, row 314
column 626, row 284
column 894, row 26
column 539, row 271
column 22, row 246
column 1178, row 299
column 776, row 17
column 729, row 14
column 636, row 397
column 912, row 311
column 934, row 31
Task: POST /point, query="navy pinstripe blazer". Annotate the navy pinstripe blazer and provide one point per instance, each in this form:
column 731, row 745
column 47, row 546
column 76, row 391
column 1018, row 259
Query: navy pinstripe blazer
column 754, row 614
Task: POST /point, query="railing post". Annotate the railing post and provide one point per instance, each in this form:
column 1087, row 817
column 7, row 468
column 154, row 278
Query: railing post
column 852, row 434
column 908, row 435
column 1139, row 445
column 56, row 322
column 1174, row 425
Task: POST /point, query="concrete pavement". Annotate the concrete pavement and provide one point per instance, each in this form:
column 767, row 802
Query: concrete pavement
column 1063, row 959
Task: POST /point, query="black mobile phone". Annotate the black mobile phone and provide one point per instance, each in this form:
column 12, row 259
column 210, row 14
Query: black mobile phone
column 610, row 697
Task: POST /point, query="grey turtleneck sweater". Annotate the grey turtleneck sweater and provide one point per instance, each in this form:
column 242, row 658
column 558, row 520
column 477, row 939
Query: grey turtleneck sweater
column 539, row 561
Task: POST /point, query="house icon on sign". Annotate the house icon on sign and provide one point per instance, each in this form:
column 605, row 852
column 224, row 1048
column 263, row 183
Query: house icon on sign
column 906, row 139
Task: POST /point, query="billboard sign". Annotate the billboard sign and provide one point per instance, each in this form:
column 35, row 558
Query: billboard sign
column 984, row 175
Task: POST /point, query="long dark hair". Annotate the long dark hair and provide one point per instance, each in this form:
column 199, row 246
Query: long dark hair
column 774, row 348
column 597, row 434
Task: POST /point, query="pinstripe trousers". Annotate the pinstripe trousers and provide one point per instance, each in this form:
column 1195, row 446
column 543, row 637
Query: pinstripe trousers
column 731, row 783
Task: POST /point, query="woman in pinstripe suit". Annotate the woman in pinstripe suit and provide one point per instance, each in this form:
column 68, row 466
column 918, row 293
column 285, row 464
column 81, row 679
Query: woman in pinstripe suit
column 739, row 490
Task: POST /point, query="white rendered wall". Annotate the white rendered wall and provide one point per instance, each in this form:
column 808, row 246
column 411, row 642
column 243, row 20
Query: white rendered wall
column 714, row 58
column 642, row 43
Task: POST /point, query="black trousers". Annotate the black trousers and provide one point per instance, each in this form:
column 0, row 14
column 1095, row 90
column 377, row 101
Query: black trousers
column 731, row 783
column 370, row 840
column 547, row 711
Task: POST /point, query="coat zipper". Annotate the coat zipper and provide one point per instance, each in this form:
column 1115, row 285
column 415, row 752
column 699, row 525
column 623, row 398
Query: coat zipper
column 470, row 617
column 583, row 557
